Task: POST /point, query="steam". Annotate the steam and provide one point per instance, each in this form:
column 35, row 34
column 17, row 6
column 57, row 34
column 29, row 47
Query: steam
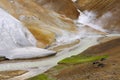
column 74, row 0
column 89, row 18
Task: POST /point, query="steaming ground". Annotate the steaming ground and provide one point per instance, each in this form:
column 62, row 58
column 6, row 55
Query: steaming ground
column 89, row 18
column 74, row 0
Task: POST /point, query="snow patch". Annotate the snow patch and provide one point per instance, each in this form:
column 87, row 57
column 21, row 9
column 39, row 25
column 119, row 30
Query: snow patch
column 13, row 34
column 26, row 52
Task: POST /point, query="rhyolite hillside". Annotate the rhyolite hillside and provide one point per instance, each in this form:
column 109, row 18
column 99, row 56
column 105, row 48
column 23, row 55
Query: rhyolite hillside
column 59, row 40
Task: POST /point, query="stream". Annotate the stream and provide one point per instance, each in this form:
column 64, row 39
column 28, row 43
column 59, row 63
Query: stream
column 43, row 65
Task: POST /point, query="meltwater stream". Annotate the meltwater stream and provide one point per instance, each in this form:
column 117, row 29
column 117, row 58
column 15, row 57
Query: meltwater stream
column 43, row 65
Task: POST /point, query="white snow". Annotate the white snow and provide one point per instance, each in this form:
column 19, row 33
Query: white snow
column 13, row 34
column 26, row 52
column 16, row 41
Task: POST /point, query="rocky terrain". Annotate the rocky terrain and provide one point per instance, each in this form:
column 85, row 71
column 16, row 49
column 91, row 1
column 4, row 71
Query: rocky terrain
column 59, row 40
